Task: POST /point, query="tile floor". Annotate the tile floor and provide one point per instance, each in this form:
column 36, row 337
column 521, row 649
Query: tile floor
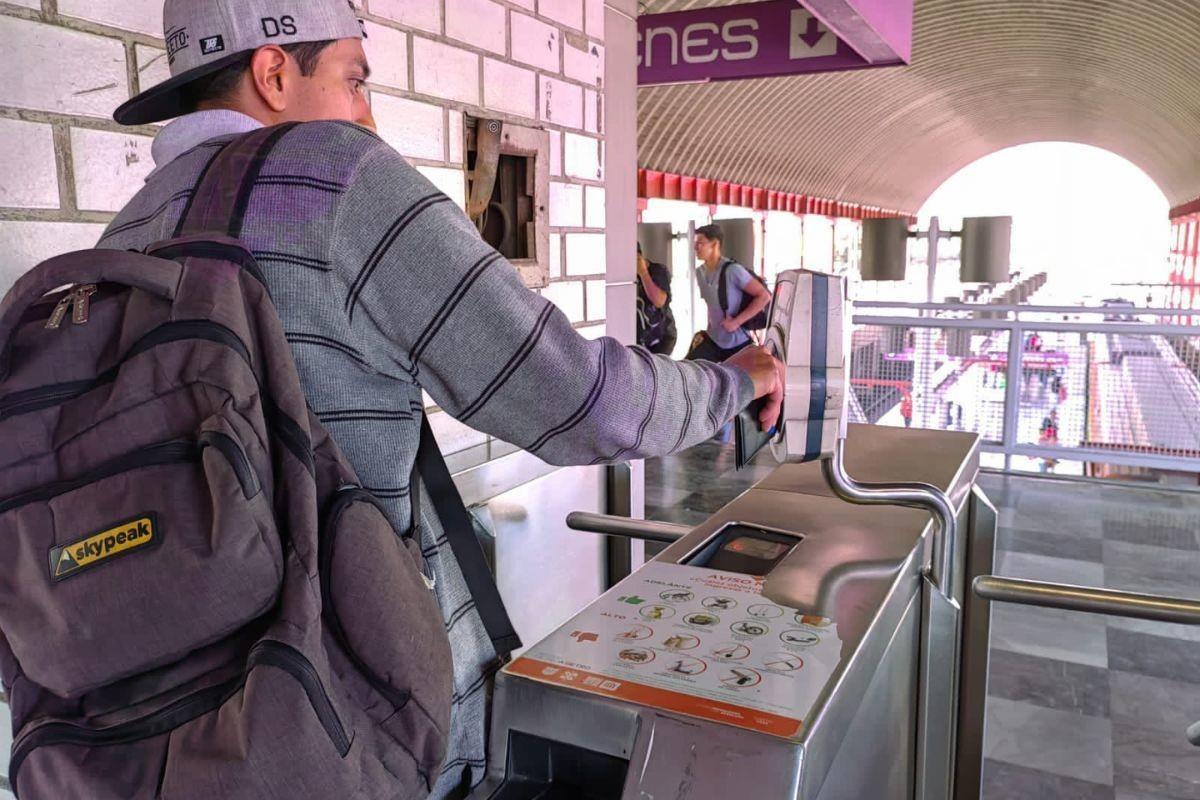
column 1080, row 707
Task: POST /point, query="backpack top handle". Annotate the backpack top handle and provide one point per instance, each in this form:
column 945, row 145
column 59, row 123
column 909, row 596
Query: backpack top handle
column 154, row 275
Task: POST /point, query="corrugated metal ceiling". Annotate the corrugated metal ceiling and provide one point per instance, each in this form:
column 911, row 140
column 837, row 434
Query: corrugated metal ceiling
column 986, row 74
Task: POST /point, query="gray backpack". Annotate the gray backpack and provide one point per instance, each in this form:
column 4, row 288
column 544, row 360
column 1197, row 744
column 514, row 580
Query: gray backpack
column 197, row 600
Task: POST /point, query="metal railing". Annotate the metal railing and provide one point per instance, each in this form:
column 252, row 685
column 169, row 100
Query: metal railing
column 1104, row 392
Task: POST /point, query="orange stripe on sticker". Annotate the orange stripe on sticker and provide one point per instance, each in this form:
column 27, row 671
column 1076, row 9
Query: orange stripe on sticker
column 663, row 699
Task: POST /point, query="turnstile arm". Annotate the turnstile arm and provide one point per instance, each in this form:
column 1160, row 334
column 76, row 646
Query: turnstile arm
column 1088, row 598
column 625, row 526
column 1094, row 600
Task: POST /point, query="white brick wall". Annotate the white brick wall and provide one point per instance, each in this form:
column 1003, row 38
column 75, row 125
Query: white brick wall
column 445, row 71
column 556, row 165
column 481, row 23
column 455, row 134
column 28, row 177
column 414, row 128
column 566, row 205
column 561, row 103
column 450, row 182
column 556, row 246
column 585, row 254
column 65, row 65
column 48, row 68
column 582, row 157
column 424, row 15
column 583, row 60
column 152, row 66
column 596, row 294
column 595, row 207
column 567, row 295
column 535, row 43
column 387, row 50
column 509, row 88
column 592, row 112
column 568, row 12
column 143, row 16
column 109, row 168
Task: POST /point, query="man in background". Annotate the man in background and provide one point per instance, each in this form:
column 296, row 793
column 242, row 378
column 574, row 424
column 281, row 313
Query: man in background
column 744, row 298
column 656, row 324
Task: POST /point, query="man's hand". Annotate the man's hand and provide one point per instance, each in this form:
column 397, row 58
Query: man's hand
column 767, row 373
column 729, row 324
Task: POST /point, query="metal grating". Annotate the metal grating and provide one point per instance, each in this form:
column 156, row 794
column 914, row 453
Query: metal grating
column 986, row 75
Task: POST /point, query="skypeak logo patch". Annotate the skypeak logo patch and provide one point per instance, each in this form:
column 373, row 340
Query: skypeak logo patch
column 135, row 534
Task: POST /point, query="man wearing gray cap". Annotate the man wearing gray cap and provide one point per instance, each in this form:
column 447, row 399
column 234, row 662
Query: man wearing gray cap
column 385, row 288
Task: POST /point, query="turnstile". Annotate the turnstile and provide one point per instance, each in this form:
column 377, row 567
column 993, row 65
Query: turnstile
column 746, row 661
column 805, row 642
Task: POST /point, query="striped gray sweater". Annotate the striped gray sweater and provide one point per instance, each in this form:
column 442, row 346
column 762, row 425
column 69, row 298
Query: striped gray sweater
column 384, row 289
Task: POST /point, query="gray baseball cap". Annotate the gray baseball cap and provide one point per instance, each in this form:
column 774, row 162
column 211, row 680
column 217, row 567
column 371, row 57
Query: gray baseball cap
column 204, row 36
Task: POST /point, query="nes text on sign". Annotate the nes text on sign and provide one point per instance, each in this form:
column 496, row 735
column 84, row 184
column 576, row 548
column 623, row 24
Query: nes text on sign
column 754, row 40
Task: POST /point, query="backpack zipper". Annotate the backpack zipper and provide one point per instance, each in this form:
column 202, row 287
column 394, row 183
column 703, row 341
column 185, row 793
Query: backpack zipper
column 80, row 299
column 237, row 458
column 44, row 397
column 157, row 455
column 173, row 252
column 41, row 310
column 283, row 426
column 292, row 661
column 175, row 452
column 265, row 653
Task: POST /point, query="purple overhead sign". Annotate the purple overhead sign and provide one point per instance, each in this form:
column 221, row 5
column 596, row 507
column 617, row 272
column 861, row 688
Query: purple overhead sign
column 759, row 40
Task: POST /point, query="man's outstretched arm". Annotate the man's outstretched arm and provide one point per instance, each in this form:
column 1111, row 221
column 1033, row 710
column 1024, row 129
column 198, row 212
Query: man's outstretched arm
column 438, row 304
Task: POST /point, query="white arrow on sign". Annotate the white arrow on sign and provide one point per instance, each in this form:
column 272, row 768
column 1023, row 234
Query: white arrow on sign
column 810, row 39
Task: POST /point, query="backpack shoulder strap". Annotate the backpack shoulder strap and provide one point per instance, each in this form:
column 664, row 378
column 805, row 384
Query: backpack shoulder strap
column 461, row 533
column 219, row 202
column 722, row 288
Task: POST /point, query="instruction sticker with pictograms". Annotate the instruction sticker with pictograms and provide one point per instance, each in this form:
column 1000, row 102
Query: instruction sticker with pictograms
column 694, row 641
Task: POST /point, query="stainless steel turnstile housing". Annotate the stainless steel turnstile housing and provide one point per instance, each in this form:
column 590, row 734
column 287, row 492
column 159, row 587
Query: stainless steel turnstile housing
column 885, row 712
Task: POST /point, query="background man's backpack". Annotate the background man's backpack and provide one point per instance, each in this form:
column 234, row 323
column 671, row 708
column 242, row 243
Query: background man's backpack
column 197, row 600
column 756, row 323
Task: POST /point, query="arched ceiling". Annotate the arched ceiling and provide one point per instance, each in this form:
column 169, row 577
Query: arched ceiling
column 1123, row 75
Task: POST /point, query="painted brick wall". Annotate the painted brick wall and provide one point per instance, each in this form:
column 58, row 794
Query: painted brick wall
column 66, row 167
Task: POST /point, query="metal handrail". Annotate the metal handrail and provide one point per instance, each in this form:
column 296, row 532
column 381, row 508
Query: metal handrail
column 610, row 525
column 1012, row 308
column 1132, row 328
column 1009, row 444
column 1090, row 599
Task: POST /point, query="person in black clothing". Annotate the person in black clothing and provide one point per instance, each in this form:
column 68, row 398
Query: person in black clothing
column 656, row 324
